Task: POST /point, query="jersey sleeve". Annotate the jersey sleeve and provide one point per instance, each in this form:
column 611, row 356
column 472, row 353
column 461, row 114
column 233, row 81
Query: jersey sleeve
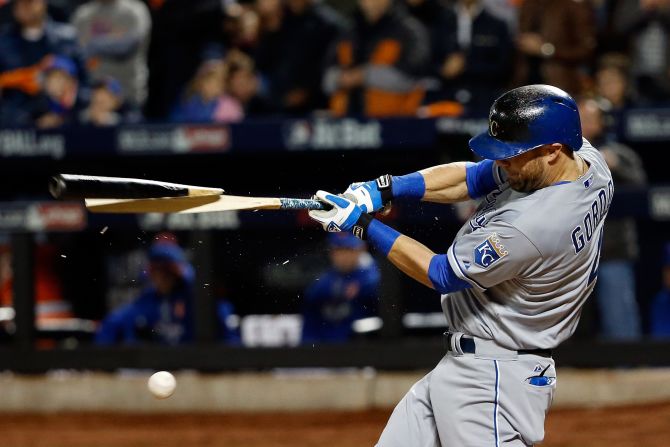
column 483, row 177
column 492, row 255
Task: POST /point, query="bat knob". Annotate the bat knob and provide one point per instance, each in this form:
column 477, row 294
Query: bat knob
column 57, row 186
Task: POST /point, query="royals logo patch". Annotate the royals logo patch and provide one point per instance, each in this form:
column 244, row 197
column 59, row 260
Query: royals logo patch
column 489, row 251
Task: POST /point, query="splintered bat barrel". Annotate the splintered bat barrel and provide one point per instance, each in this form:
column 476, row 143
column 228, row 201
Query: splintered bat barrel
column 69, row 186
column 130, row 195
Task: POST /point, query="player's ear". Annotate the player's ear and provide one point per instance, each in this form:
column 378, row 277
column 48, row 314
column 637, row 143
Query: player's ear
column 553, row 151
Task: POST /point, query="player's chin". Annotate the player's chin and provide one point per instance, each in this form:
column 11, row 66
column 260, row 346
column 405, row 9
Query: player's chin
column 520, row 185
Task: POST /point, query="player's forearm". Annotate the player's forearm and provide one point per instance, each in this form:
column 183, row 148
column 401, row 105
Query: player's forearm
column 448, row 183
column 412, row 258
column 445, row 183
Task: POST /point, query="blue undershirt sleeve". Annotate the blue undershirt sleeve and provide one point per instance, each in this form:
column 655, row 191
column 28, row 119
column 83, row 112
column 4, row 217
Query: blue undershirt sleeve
column 479, row 178
column 443, row 277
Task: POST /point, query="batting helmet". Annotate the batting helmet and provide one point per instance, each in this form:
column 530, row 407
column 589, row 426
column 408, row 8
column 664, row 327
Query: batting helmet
column 528, row 117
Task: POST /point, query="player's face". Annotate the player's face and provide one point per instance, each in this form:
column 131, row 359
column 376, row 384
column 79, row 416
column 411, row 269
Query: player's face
column 525, row 172
column 666, row 276
column 162, row 278
column 345, row 260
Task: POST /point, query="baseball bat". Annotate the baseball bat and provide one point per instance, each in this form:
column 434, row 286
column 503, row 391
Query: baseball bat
column 128, row 195
column 69, row 186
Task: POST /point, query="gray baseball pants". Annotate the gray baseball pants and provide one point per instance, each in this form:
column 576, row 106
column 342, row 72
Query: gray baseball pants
column 491, row 398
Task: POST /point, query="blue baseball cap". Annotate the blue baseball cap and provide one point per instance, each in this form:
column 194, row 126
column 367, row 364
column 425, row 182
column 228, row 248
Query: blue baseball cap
column 344, row 240
column 64, row 64
column 166, row 252
column 111, row 84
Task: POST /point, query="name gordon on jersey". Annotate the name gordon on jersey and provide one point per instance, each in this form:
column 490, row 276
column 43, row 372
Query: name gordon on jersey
column 582, row 234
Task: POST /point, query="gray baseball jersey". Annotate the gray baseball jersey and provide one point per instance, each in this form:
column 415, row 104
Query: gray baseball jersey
column 531, row 258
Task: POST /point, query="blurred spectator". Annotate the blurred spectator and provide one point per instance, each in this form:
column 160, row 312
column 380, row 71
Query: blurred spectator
column 660, row 306
column 612, row 88
column 104, row 108
column 114, row 35
column 205, row 94
column 241, row 26
column 506, row 10
column 180, row 31
column 24, row 47
column 616, row 286
column 556, row 39
column 291, row 52
column 60, row 87
column 163, row 312
column 477, row 62
column 49, row 301
column 346, row 292
column 646, row 26
column 242, row 85
column 375, row 70
column 436, row 18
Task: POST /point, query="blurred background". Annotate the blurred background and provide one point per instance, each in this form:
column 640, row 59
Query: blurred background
column 276, row 331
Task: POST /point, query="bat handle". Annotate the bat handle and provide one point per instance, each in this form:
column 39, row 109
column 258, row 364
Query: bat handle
column 302, row 204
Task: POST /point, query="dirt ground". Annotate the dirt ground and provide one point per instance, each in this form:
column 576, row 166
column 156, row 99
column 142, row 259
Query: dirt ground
column 641, row 426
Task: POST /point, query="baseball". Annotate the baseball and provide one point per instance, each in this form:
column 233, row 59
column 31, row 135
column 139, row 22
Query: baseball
column 162, row 384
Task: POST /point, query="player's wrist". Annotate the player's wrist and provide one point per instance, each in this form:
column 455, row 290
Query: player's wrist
column 379, row 235
column 410, row 186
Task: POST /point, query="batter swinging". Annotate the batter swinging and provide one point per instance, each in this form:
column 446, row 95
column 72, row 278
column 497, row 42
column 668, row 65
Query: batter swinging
column 514, row 279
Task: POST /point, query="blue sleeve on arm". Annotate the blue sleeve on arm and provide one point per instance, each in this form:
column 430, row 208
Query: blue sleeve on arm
column 411, row 186
column 443, row 277
column 479, row 178
column 118, row 326
column 381, row 236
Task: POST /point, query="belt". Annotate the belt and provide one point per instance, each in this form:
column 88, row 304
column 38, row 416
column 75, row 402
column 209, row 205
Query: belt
column 468, row 346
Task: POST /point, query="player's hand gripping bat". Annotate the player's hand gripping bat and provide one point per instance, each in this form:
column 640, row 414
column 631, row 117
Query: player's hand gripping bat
column 128, row 195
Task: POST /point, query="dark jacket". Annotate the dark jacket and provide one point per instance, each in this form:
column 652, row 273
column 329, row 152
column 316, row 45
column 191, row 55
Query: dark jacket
column 487, row 59
column 620, row 240
column 394, row 53
column 570, row 26
column 293, row 57
column 21, row 104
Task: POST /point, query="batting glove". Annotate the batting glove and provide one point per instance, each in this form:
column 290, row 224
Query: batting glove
column 342, row 217
column 371, row 196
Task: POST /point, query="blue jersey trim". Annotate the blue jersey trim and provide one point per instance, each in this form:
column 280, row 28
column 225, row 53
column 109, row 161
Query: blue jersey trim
column 480, row 179
column 443, row 277
column 495, row 404
column 453, row 253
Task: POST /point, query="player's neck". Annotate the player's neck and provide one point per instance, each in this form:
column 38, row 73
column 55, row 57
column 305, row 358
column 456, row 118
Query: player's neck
column 569, row 169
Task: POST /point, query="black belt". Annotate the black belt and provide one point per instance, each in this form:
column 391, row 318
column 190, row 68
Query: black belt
column 468, row 346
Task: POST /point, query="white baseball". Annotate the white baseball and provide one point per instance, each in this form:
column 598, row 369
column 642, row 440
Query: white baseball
column 162, row 384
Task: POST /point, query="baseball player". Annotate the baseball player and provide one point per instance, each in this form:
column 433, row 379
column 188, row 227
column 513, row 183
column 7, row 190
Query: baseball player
column 513, row 281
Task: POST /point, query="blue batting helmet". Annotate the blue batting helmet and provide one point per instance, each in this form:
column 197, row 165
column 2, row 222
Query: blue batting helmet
column 526, row 118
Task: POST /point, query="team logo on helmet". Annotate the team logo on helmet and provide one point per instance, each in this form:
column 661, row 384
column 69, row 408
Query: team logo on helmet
column 494, row 128
column 489, row 251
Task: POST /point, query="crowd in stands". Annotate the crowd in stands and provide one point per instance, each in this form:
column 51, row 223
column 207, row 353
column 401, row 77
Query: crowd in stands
column 105, row 62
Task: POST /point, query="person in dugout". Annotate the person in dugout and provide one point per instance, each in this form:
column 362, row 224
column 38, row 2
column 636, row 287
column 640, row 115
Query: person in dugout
column 345, row 292
column 163, row 311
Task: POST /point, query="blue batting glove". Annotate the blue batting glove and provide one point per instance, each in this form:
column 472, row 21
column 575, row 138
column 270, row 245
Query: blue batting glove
column 342, row 217
column 370, row 196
